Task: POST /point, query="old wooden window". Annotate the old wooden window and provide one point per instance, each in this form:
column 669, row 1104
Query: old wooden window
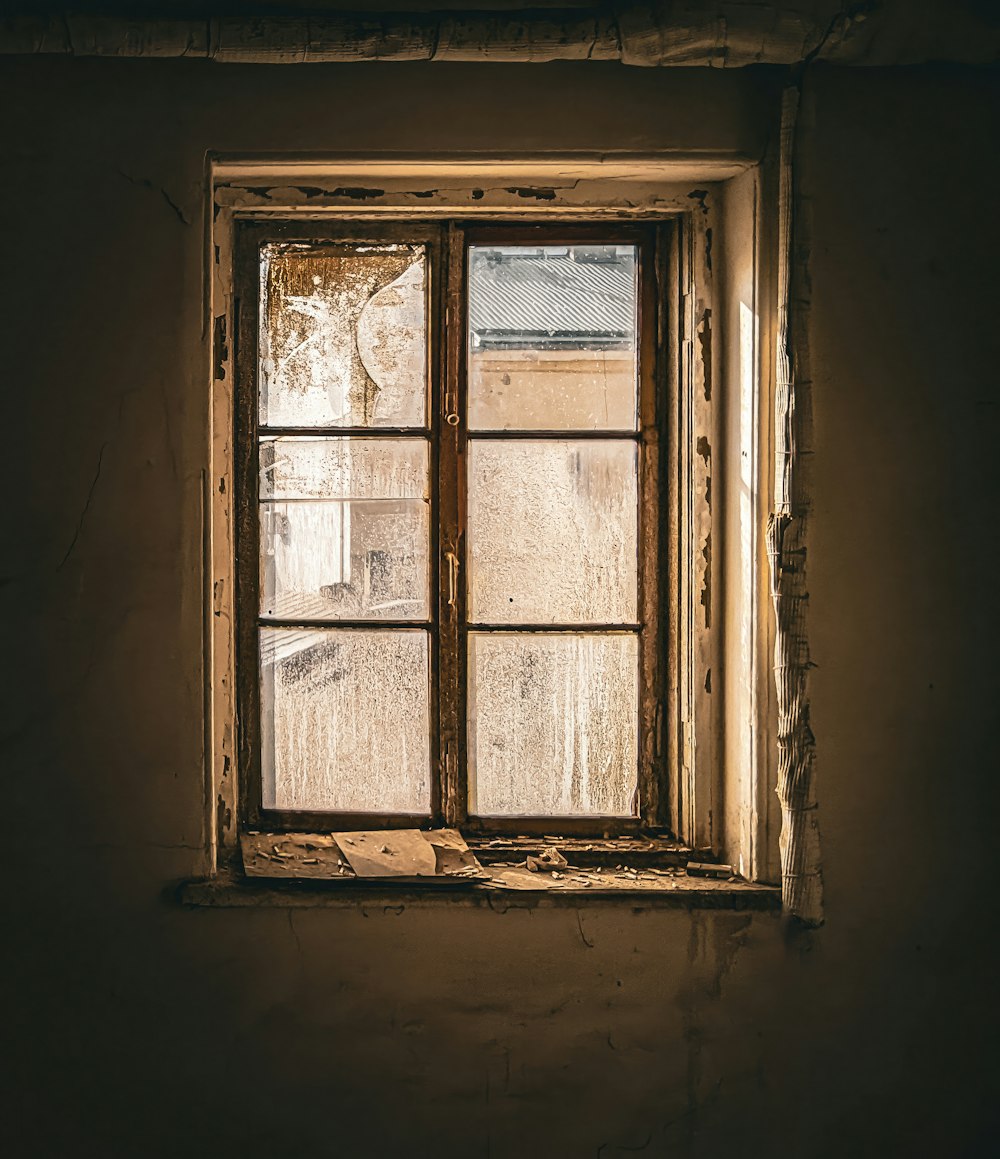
column 449, row 512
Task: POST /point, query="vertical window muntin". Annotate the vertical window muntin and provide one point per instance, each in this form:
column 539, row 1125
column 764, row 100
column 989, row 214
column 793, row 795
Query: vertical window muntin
column 447, row 436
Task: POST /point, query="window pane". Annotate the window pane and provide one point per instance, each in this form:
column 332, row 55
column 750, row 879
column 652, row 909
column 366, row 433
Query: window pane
column 343, row 336
column 552, row 531
column 553, row 724
column 344, row 720
column 344, row 527
column 552, row 337
column 352, row 467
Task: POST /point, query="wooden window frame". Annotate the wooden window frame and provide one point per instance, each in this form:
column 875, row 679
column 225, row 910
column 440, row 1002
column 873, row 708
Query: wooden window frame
column 447, row 243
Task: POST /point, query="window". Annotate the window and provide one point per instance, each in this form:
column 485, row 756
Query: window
column 449, row 509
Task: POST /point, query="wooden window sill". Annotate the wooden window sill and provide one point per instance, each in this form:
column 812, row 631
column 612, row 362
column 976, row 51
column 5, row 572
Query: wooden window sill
column 508, row 886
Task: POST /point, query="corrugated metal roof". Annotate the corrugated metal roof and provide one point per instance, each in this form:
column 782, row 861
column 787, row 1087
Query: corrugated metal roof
column 558, row 295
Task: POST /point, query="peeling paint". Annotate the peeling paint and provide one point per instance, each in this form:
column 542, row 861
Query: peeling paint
column 223, row 819
column 705, row 332
column 220, row 346
column 704, row 450
column 701, row 196
column 356, row 192
column 538, row 193
column 706, row 590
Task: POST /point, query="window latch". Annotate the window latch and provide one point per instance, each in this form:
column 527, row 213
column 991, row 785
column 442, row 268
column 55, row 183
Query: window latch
column 452, row 560
column 451, row 408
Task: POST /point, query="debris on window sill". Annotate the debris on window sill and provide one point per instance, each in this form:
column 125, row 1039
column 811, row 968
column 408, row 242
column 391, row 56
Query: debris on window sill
column 585, row 851
column 394, row 853
column 391, row 867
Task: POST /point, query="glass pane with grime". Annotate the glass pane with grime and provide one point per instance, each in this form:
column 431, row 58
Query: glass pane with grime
column 552, row 337
column 552, row 531
column 343, row 336
column 345, row 720
column 553, row 724
column 344, row 528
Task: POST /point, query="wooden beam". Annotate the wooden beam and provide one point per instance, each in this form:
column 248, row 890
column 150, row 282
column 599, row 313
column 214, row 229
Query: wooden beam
column 654, row 34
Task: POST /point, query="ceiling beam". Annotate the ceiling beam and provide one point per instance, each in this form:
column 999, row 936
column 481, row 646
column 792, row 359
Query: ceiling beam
column 655, row 34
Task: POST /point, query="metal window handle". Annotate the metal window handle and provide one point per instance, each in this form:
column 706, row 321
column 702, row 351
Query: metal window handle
column 452, row 561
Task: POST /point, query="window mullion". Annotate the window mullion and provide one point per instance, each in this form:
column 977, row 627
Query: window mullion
column 654, row 351
column 449, row 416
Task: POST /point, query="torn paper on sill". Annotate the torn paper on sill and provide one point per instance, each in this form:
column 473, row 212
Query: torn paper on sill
column 382, row 853
column 407, row 853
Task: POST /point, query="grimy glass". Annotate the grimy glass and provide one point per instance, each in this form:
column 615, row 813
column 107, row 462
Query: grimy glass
column 448, row 526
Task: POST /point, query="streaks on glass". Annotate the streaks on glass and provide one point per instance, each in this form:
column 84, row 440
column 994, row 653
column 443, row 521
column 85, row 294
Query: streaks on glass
column 553, row 724
column 344, row 528
column 343, row 336
column 344, row 720
column 552, row 337
column 307, row 467
column 552, row 531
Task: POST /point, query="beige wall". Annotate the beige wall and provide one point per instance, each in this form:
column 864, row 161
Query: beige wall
column 141, row 1028
column 559, row 390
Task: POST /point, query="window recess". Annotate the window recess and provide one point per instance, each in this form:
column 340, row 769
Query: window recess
column 449, row 501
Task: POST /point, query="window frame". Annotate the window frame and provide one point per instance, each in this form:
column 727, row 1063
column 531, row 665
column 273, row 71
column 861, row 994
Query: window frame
column 447, row 243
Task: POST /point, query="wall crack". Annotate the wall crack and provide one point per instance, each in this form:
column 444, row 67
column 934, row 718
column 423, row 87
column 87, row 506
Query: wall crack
column 144, row 183
column 86, row 507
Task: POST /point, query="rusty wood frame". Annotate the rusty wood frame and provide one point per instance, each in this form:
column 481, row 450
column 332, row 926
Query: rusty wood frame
column 651, row 400
column 251, row 236
column 698, row 653
column 656, row 437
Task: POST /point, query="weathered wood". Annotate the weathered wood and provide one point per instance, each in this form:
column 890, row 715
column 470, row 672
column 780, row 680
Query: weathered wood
column 293, row 855
column 656, row 34
column 653, row 573
column 509, row 886
column 449, row 443
column 638, row 851
column 390, row 853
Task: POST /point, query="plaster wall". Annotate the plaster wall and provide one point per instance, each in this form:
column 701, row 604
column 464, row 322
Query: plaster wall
column 136, row 1027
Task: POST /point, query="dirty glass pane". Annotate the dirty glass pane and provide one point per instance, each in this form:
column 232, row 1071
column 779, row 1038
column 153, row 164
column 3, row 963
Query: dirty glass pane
column 344, row 720
column 344, row 528
column 552, row 534
column 553, row 724
column 552, row 337
column 343, row 336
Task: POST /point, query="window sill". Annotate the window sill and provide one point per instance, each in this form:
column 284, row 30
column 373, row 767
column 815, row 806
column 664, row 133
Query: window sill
column 640, row 889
